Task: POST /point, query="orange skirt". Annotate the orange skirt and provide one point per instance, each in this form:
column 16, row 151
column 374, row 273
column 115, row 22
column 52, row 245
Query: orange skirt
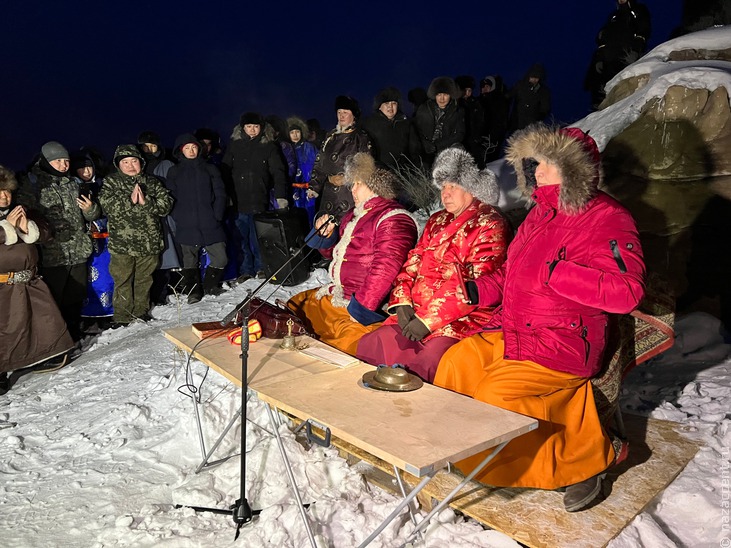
column 331, row 324
column 569, row 444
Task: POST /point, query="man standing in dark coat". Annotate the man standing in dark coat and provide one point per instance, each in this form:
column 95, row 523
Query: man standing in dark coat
column 620, row 42
column 253, row 168
column 531, row 99
column 474, row 117
column 388, row 127
column 439, row 123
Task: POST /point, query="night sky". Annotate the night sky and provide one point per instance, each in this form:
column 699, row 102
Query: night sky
column 98, row 73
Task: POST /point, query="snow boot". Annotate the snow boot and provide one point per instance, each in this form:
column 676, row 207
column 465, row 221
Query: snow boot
column 580, row 495
column 191, row 285
column 212, row 281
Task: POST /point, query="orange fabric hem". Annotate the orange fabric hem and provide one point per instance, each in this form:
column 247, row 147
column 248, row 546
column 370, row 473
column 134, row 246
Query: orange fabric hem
column 331, row 324
column 569, row 444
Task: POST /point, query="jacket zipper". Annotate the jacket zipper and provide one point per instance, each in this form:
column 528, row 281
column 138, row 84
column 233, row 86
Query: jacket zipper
column 617, row 257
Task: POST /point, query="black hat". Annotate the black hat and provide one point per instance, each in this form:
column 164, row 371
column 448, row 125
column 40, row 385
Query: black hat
column 488, row 80
column 417, row 96
column 347, row 102
column 443, row 84
column 465, row 82
column 207, row 134
column 253, row 118
column 386, row 95
column 149, row 137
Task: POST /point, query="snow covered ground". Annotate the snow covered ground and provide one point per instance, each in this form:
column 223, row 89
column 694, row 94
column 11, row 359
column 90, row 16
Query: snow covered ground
column 100, row 452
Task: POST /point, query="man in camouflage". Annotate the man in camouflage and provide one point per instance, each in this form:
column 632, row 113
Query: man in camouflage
column 134, row 204
column 51, row 190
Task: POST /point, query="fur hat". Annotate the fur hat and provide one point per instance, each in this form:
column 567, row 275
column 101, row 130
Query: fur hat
column 359, row 167
column 204, row 133
column 443, row 84
column 457, row 166
column 149, row 137
column 362, row 167
column 346, row 102
column 386, row 95
column 53, row 150
column 464, row 82
column 253, row 118
column 7, row 179
column 574, row 153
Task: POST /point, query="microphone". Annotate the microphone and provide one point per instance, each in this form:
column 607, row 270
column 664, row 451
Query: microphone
column 332, row 217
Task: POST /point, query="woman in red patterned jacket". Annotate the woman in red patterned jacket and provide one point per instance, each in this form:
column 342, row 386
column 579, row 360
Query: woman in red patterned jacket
column 429, row 306
column 367, row 253
column 576, row 257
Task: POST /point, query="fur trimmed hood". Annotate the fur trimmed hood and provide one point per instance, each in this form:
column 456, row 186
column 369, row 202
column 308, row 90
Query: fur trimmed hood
column 457, row 166
column 7, row 180
column 297, row 122
column 574, row 153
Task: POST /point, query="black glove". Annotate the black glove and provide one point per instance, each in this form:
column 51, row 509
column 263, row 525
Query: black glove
column 405, row 314
column 416, row 330
column 472, row 294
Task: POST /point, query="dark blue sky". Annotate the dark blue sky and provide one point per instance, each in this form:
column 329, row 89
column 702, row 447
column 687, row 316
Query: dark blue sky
column 98, row 73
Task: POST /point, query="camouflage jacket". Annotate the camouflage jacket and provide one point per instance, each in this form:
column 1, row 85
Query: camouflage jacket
column 54, row 197
column 134, row 229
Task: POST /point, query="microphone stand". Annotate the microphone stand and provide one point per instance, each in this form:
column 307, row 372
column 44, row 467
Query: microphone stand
column 241, row 510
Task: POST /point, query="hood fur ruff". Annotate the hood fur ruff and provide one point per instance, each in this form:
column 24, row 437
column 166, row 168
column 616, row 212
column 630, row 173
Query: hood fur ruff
column 575, row 154
column 457, row 166
column 267, row 133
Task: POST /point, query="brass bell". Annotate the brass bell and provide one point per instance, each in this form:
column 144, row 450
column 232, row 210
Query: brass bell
column 289, row 342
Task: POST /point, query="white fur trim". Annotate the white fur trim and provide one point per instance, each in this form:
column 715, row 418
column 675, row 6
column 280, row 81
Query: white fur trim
column 33, row 233
column 11, row 236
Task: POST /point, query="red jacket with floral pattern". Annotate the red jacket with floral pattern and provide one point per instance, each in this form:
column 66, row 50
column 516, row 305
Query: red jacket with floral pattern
column 450, row 251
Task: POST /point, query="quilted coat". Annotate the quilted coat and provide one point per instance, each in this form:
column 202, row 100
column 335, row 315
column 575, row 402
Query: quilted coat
column 575, row 258
column 374, row 242
column 450, row 251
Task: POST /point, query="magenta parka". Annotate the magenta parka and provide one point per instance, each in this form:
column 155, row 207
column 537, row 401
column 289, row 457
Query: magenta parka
column 575, row 258
column 374, row 242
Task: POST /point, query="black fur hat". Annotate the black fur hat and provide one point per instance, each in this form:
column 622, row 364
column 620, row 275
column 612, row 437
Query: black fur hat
column 386, row 95
column 346, row 102
column 465, row 82
column 253, row 118
column 149, row 137
column 443, row 84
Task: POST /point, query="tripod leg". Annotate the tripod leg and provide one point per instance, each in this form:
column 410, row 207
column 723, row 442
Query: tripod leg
column 290, row 474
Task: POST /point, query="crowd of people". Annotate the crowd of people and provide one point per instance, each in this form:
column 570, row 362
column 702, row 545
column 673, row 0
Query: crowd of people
column 519, row 322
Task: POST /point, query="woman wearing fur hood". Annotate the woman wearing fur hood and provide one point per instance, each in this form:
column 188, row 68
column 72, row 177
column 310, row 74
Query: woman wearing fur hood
column 429, row 306
column 32, row 329
column 575, row 258
column 367, row 253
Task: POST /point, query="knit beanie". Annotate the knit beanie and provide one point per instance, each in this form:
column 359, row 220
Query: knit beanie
column 53, row 150
column 458, row 167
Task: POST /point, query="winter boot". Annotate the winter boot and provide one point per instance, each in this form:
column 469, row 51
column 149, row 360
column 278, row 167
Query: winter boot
column 580, row 495
column 191, row 285
column 212, row 281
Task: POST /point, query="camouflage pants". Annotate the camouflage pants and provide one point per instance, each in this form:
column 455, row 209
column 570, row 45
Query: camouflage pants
column 132, row 281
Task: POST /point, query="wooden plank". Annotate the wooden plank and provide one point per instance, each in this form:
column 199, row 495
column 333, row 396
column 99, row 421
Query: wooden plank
column 267, row 362
column 417, row 431
column 658, row 453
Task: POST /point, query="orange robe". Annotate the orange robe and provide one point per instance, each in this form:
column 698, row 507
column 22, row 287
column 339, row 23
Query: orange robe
column 332, row 324
column 569, row 444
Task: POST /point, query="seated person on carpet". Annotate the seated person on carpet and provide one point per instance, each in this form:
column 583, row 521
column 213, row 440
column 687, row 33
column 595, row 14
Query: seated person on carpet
column 430, row 309
column 31, row 327
column 367, row 253
column 576, row 257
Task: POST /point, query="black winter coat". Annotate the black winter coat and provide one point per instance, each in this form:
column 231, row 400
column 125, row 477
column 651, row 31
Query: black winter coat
column 253, row 167
column 389, row 138
column 423, row 144
column 200, row 200
column 531, row 103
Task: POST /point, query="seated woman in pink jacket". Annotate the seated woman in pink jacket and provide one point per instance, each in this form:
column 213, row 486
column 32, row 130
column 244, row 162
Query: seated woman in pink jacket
column 367, row 252
column 575, row 258
column 429, row 306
